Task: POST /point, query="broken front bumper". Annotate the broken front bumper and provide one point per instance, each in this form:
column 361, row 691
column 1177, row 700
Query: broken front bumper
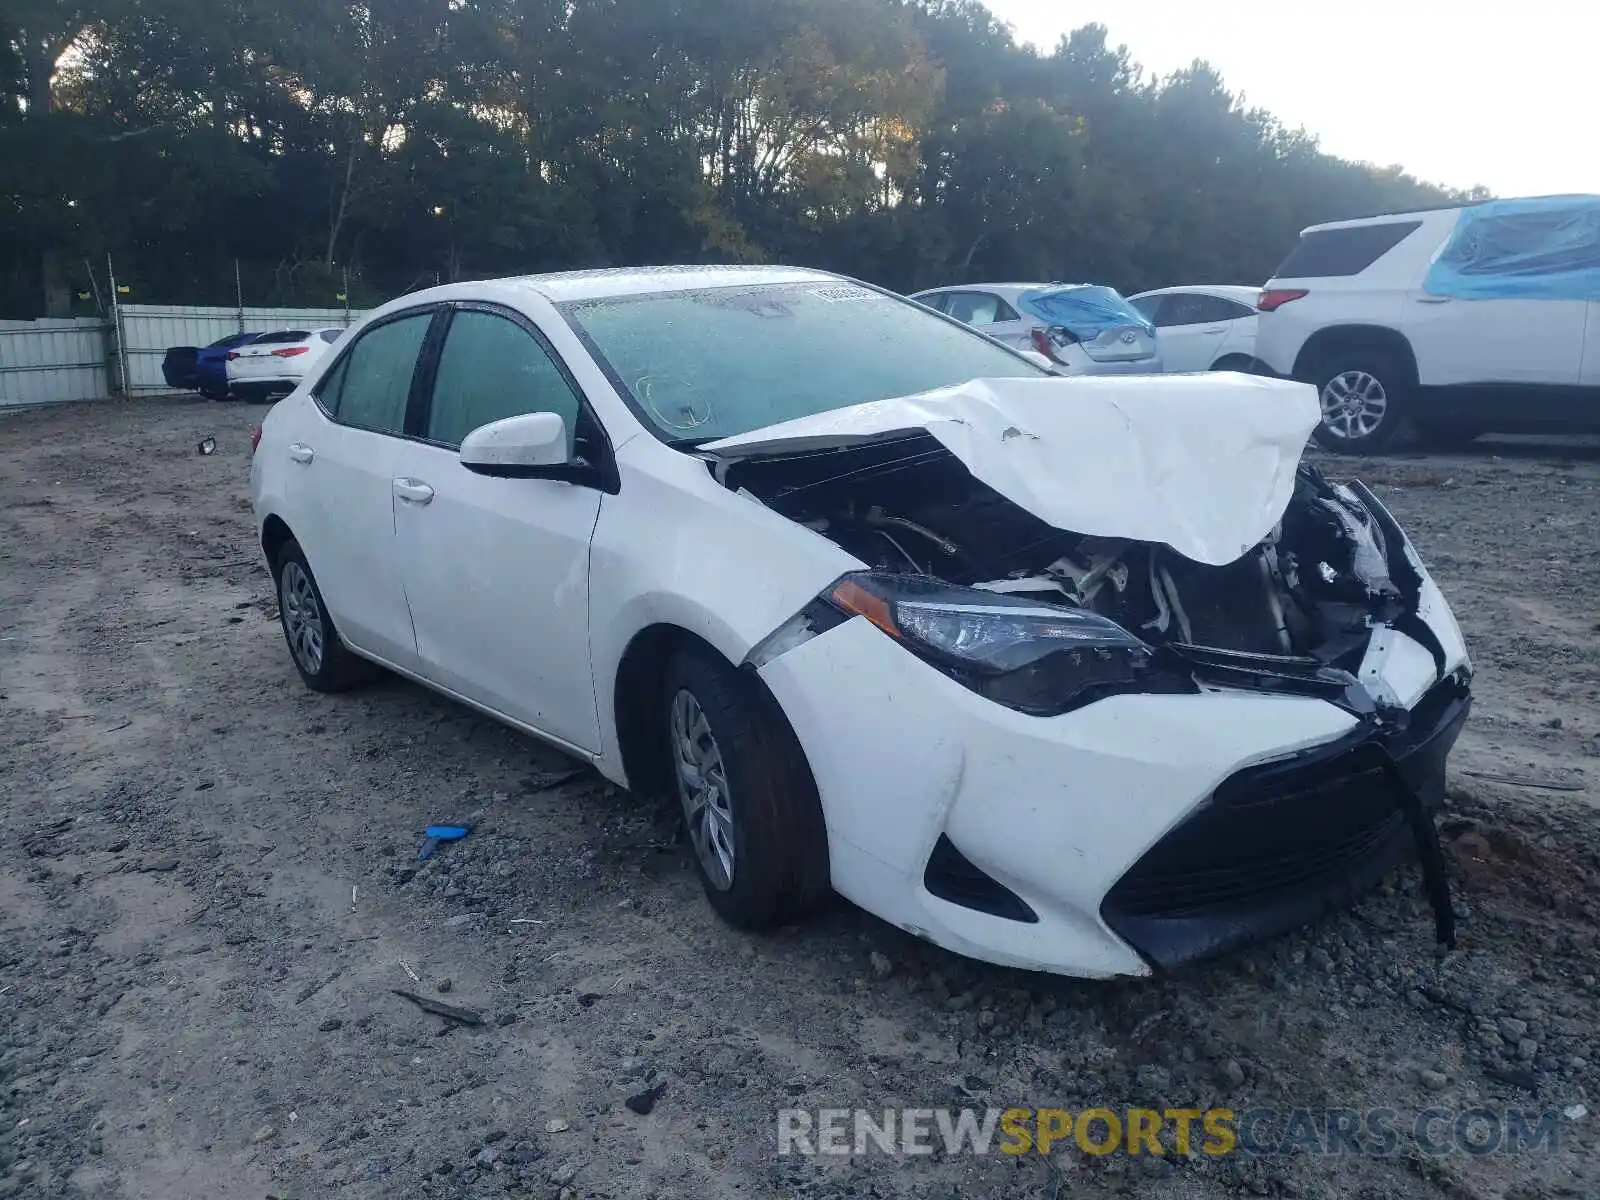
column 1281, row 843
column 1006, row 837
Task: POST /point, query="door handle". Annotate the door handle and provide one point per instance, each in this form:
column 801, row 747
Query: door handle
column 301, row 453
column 413, row 491
column 1433, row 299
column 1216, row 329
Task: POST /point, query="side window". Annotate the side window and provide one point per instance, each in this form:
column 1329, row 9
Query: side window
column 1005, row 312
column 1181, row 308
column 492, row 368
column 372, row 383
column 331, row 335
column 938, row 301
column 1191, row 308
column 1147, row 306
column 977, row 308
column 1231, row 310
column 328, row 390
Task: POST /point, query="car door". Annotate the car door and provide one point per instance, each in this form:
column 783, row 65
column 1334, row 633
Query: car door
column 343, row 458
column 989, row 314
column 1191, row 328
column 497, row 570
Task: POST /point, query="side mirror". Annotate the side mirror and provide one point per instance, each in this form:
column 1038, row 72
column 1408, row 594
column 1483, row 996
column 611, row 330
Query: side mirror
column 533, row 446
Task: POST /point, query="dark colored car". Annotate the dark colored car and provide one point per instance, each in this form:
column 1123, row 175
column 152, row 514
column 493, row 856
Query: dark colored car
column 202, row 369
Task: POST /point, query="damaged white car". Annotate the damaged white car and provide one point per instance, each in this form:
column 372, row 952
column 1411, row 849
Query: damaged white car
column 1088, row 676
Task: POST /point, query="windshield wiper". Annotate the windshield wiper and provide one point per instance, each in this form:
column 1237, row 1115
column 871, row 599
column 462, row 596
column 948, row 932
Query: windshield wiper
column 691, row 443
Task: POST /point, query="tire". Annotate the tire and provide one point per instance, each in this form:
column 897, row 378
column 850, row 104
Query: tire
column 315, row 648
column 1363, row 396
column 755, row 825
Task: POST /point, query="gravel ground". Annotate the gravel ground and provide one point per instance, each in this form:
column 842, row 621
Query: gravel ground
column 209, row 892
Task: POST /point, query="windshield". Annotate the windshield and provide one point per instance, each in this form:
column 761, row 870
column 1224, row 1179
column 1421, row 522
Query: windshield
column 711, row 363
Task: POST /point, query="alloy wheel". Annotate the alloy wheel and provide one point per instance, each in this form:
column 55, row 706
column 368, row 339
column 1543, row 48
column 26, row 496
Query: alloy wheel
column 1354, row 404
column 302, row 617
column 703, row 789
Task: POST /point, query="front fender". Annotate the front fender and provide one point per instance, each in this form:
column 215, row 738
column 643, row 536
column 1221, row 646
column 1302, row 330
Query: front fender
column 674, row 547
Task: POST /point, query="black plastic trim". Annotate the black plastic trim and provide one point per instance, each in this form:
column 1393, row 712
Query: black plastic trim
column 1279, row 844
column 951, row 875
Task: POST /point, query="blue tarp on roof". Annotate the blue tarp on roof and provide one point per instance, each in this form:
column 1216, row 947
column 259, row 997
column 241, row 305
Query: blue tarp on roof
column 1541, row 249
column 1088, row 310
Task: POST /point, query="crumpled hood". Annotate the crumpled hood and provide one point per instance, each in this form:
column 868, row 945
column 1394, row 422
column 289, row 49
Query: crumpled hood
column 1203, row 463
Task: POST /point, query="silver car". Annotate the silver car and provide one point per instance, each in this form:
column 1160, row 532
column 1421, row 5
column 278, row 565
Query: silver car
column 1083, row 329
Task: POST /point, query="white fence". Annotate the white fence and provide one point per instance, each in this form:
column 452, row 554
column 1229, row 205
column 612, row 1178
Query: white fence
column 42, row 362
column 45, row 361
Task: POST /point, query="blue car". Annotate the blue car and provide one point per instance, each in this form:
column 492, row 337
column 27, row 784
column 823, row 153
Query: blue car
column 203, row 369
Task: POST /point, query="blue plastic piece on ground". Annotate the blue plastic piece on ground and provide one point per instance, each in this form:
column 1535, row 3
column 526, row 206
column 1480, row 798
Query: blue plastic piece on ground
column 442, row 833
column 1546, row 248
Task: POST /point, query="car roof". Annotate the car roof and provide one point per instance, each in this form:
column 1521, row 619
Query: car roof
column 1426, row 214
column 1243, row 293
column 990, row 287
column 564, row 286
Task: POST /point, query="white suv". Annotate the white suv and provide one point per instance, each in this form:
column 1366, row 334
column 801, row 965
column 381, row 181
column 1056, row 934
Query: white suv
column 1459, row 320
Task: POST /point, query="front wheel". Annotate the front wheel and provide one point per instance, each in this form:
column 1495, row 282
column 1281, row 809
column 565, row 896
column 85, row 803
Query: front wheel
column 750, row 806
column 1362, row 397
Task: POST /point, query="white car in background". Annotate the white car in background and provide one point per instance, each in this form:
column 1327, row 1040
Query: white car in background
column 1204, row 327
column 273, row 364
column 1457, row 321
column 1076, row 675
column 1116, row 340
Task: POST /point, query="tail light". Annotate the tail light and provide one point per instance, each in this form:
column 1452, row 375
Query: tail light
column 232, row 354
column 1275, row 298
column 1048, row 341
column 255, row 438
column 291, row 351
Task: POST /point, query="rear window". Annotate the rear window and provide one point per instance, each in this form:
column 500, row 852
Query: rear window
column 285, row 335
column 1333, row 252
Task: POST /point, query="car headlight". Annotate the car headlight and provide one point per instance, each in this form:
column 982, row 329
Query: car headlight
column 1037, row 658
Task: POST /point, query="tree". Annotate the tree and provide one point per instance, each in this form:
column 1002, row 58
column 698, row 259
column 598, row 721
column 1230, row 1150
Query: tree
column 912, row 142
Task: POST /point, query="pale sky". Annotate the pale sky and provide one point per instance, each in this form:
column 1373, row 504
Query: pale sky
column 1505, row 93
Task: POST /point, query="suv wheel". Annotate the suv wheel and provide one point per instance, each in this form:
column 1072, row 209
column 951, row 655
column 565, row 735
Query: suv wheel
column 1362, row 396
column 750, row 806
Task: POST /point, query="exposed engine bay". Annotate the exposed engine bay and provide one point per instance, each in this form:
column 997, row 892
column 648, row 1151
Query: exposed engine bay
column 1310, row 591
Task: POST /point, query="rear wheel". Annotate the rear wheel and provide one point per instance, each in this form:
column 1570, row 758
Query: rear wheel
column 1362, row 394
column 314, row 644
column 750, row 806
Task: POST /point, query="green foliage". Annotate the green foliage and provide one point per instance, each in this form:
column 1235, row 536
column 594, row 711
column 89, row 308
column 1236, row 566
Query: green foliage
column 399, row 142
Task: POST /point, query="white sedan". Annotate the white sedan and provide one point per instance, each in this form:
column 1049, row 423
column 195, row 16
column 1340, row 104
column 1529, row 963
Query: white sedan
column 1208, row 327
column 1080, row 675
column 275, row 363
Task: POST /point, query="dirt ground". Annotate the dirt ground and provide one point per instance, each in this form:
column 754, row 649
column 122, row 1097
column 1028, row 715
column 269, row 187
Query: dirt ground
column 209, row 892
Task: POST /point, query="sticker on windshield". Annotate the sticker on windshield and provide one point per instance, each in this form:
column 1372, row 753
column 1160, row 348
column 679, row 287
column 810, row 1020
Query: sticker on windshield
column 835, row 293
